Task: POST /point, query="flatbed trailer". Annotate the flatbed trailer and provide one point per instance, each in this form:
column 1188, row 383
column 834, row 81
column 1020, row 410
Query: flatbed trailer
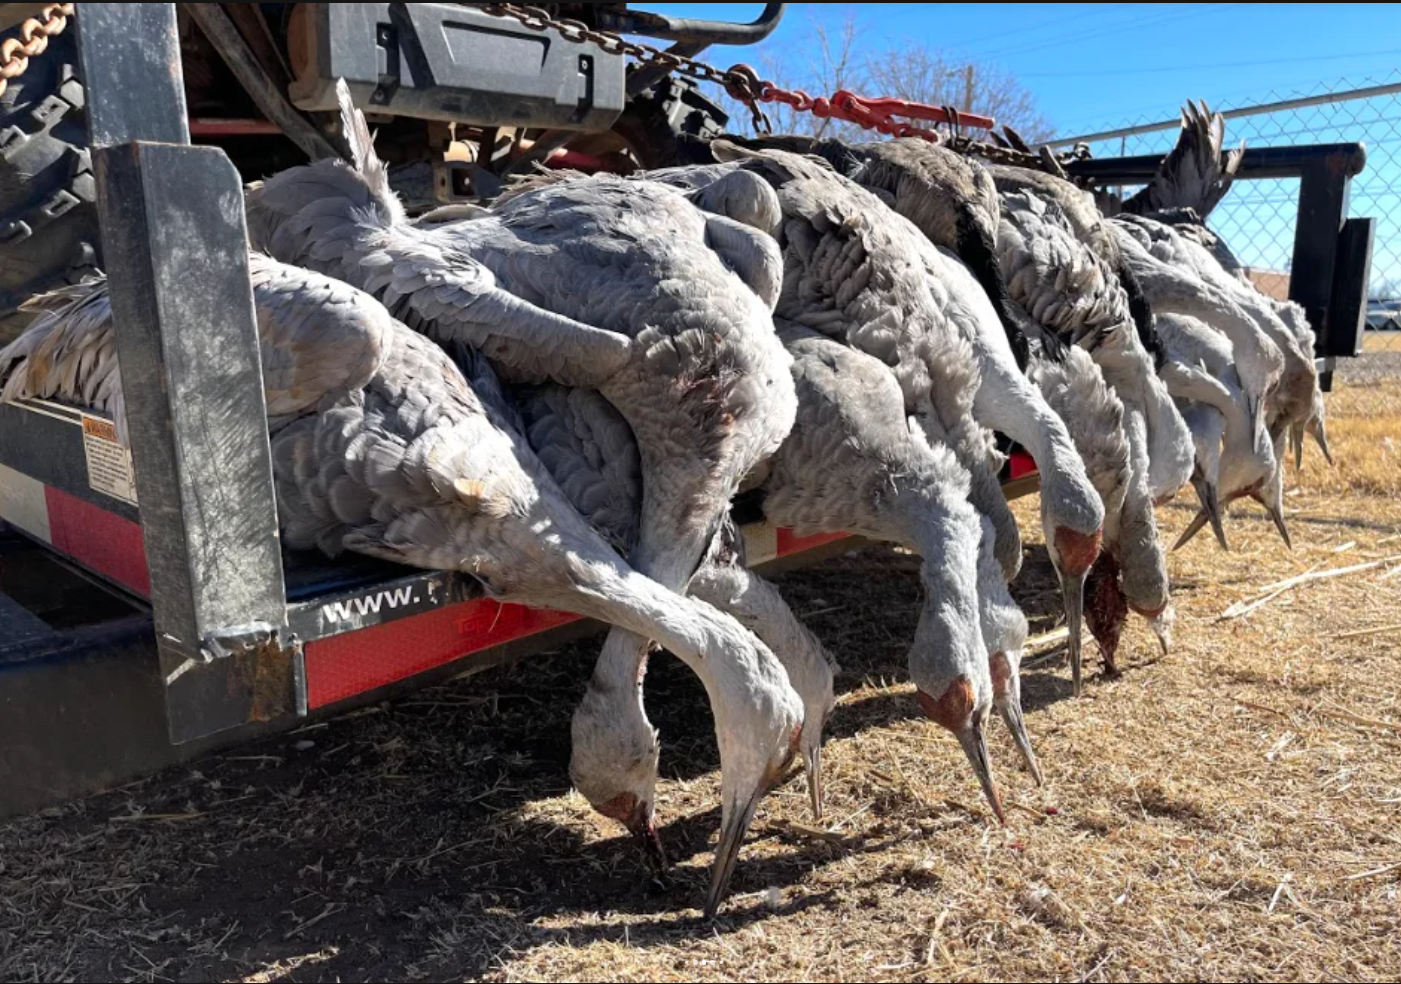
column 148, row 613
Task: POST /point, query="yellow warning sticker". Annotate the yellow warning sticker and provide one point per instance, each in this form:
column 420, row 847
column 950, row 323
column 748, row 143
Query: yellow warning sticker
column 109, row 464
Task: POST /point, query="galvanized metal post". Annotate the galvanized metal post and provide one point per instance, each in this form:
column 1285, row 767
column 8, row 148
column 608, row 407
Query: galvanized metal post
column 176, row 247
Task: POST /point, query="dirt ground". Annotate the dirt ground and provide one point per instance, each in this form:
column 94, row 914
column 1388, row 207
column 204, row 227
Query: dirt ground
column 1229, row 813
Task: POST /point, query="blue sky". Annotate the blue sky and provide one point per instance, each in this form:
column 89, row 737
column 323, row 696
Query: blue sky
column 1095, row 64
column 1095, row 67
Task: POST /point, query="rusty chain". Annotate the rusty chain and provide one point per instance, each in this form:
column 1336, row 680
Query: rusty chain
column 738, row 83
column 997, row 154
column 745, row 85
column 33, row 40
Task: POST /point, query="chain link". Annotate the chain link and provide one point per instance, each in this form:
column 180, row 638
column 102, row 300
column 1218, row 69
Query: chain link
column 741, row 81
column 33, row 40
column 745, row 85
column 998, row 154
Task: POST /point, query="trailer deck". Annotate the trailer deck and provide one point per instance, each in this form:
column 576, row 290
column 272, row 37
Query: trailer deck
column 83, row 703
column 148, row 614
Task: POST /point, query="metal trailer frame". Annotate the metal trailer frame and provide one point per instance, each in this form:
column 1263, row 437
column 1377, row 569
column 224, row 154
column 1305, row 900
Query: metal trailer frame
column 1332, row 251
column 192, row 631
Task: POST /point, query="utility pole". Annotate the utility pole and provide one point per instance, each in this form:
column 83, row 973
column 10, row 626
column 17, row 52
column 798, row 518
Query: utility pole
column 969, row 75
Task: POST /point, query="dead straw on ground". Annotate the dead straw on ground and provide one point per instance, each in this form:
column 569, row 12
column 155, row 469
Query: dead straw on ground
column 1227, row 813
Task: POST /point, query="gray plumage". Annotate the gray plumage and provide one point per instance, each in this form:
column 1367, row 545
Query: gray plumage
column 401, row 456
column 1303, row 413
column 590, row 451
column 1065, row 270
column 1076, row 389
column 344, row 221
column 1199, row 171
column 950, row 197
column 623, row 286
column 1168, row 266
column 1294, row 398
column 850, row 274
column 856, row 463
column 1071, row 292
column 858, row 272
column 1247, row 465
column 67, row 354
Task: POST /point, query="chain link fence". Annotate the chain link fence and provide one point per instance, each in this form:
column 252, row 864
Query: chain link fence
column 1258, row 217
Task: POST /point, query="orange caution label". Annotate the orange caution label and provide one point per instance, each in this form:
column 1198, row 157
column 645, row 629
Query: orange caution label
column 109, row 464
column 102, row 430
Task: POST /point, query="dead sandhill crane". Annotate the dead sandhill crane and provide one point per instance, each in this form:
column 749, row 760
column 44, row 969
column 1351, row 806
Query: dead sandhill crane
column 954, row 201
column 854, row 464
column 1297, row 408
column 381, row 446
column 632, row 290
column 1291, row 398
column 1160, row 260
column 1248, row 466
column 848, row 275
column 590, row 451
column 1075, row 299
column 1092, row 306
column 1131, row 573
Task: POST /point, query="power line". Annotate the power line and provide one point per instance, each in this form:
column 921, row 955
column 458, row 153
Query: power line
column 1048, row 22
column 1106, row 31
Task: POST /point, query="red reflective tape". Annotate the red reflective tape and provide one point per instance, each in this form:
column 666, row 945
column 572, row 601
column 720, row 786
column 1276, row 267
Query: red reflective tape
column 790, row 543
column 348, row 665
column 1023, row 465
column 103, row 542
column 574, row 160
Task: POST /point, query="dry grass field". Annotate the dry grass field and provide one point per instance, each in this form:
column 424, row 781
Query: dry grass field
column 1231, row 812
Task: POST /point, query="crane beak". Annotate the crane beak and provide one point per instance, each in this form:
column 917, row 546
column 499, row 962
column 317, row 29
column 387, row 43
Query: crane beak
column 1010, row 710
column 1277, row 514
column 814, row 767
column 1073, row 591
column 1007, row 699
column 975, row 746
column 1320, row 435
column 643, row 827
column 1211, row 507
column 1278, row 517
column 1190, row 533
column 732, row 831
column 1296, row 438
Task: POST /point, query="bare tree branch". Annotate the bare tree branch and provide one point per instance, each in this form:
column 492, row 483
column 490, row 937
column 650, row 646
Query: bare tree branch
column 834, row 66
column 921, row 75
column 908, row 71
